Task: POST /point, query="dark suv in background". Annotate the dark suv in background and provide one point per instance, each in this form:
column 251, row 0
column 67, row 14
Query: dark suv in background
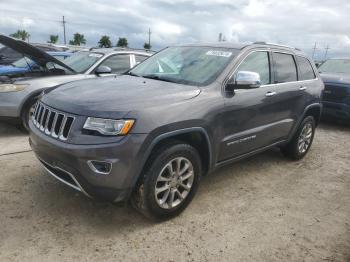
column 150, row 134
column 336, row 96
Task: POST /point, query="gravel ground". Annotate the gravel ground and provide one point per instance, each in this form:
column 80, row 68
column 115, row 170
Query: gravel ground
column 265, row 208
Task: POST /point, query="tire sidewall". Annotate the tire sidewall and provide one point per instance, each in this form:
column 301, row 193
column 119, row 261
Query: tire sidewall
column 179, row 150
column 25, row 118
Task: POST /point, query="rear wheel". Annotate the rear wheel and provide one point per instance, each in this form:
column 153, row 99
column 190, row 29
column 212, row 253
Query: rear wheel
column 302, row 140
column 170, row 182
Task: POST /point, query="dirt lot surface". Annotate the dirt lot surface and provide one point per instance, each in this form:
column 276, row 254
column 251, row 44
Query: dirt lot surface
column 265, row 208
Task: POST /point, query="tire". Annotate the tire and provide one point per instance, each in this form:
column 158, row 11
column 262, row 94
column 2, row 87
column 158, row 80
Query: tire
column 26, row 114
column 158, row 177
column 301, row 142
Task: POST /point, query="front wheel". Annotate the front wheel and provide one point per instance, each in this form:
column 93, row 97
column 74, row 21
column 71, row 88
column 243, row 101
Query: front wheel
column 301, row 142
column 27, row 113
column 170, row 182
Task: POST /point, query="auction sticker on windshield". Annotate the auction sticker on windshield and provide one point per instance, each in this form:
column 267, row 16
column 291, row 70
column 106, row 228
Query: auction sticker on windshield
column 219, row 53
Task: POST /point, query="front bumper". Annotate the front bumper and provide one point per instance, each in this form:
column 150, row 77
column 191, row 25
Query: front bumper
column 69, row 164
column 336, row 110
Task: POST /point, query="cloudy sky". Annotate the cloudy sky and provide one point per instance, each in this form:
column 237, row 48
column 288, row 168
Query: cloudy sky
column 299, row 23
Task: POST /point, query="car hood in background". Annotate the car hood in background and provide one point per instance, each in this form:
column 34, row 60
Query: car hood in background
column 49, row 81
column 34, row 53
column 114, row 97
column 12, row 69
column 336, row 78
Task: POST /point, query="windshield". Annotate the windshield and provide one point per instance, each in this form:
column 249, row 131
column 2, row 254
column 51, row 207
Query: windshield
column 335, row 66
column 82, row 61
column 187, row 65
column 23, row 62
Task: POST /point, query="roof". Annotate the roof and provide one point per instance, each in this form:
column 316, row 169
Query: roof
column 241, row 45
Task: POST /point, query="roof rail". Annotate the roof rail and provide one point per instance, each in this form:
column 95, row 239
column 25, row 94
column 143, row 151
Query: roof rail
column 274, row 44
column 121, row 49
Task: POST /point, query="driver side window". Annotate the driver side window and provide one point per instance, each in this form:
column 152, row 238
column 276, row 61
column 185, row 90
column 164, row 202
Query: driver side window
column 257, row 62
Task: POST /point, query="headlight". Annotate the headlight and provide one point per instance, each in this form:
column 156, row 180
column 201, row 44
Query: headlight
column 109, row 126
column 12, row 87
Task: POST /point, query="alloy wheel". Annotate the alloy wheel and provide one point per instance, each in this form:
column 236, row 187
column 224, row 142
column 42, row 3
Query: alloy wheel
column 174, row 183
column 305, row 137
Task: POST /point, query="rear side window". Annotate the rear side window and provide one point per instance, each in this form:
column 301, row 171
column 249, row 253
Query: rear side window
column 140, row 58
column 257, row 62
column 118, row 63
column 285, row 69
column 306, row 71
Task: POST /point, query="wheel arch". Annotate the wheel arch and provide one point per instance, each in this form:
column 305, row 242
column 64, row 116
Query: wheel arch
column 195, row 136
column 313, row 110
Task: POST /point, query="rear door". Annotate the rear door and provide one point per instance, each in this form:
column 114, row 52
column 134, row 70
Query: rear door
column 290, row 96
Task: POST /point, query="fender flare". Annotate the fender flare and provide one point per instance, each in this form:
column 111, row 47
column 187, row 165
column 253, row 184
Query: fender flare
column 314, row 105
column 167, row 135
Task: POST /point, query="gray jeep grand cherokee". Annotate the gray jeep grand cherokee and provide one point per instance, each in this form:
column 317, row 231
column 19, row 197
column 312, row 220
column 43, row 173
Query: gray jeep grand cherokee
column 150, row 134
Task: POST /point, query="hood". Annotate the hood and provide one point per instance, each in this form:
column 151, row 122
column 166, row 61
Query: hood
column 37, row 55
column 49, row 81
column 336, row 78
column 116, row 96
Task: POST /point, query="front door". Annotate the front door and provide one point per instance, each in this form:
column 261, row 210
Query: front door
column 249, row 120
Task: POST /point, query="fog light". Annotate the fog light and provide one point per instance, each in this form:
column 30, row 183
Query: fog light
column 100, row 167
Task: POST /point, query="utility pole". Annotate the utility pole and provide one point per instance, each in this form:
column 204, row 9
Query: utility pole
column 314, row 49
column 149, row 37
column 64, row 29
column 325, row 55
column 220, row 37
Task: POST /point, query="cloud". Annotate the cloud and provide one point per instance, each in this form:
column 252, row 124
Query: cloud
column 298, row 23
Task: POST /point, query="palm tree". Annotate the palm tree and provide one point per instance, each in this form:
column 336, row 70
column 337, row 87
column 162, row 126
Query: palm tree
column 53, row 39
column 147, row 46
column 21, row 34
column 78, row 39
column 122, row 42
column 105, row 42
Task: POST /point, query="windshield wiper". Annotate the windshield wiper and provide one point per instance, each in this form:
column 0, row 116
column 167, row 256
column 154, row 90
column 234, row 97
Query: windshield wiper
column 156, row 77
column 132, row 74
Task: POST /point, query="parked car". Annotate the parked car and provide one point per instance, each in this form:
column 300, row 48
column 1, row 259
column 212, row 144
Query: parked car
column 9, row 56
column 26, row 65
column 18, row 94
column 150, row 134
column 336, row 96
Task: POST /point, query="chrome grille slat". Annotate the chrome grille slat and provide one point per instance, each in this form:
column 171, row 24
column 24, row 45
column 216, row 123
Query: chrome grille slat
column 52, row 122
column 60, row 134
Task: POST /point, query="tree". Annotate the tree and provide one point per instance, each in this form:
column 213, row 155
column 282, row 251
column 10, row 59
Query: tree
column 147, row 46
column 78, row 39
column 21, row 34
column 122, row 42
column 53, row 39
column 105, row 42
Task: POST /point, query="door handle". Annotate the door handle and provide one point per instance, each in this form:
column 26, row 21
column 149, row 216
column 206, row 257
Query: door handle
column 270, row 93
column 302, row 88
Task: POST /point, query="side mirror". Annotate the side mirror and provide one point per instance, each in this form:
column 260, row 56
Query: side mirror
column 103, row 70
column 244, row 80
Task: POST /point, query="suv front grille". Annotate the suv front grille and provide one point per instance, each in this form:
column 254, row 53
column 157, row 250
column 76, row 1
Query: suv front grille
column 52, row 122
